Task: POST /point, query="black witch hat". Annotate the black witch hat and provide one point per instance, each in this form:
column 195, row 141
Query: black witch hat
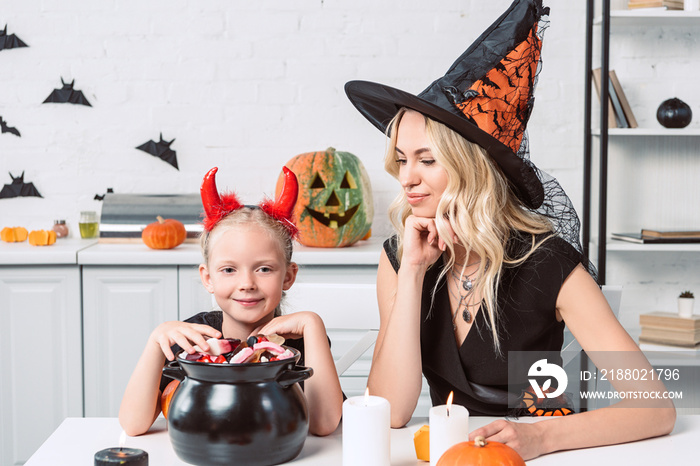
column 486, row 95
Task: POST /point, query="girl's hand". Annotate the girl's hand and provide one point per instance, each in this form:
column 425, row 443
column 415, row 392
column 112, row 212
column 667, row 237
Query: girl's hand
column 290, row 326
column 422, row 245
column 184, row 334
column 324, row 396
column 521, row 437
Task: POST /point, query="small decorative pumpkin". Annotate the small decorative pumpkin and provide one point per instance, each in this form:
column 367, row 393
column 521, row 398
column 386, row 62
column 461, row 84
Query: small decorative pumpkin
column 480, row 452
column 421, row 442
column 334, row 207
column 164, row 234
column 13, row 234
column 674, row 113
column 167, row 396
column 42, row 237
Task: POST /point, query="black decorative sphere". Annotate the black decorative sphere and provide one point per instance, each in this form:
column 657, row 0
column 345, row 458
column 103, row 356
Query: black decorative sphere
column 674, row 113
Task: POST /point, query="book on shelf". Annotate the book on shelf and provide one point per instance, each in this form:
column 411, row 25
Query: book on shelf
column 643, row 239
column 668, row 320
column 671, row 234
column 659, row 347
column 634, row 4
column 612, row 120
column 668, row 342
column 670, row 336
column 674, row 4
column 619, row 109
column 648, row 9
column 617, row 105
column 655, row 4
column 626, row 108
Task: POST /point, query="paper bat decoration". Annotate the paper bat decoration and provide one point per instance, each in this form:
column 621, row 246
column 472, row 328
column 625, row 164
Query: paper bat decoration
column 67, row 95
column 8, row 129
column 161, row 150
column 99, row 197
column 11, row 41
column 19, row 188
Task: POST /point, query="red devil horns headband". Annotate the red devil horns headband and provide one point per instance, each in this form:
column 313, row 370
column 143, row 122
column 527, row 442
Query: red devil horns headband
column 218, row 206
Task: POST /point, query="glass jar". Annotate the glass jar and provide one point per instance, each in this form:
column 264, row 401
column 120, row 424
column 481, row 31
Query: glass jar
column 61, row 229
column 89, row 226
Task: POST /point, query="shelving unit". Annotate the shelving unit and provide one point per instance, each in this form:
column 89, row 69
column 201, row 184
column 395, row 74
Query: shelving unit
column 656, row 18
column 633, row 151
column 622, row 246
column 647, row 177
column 663, row 132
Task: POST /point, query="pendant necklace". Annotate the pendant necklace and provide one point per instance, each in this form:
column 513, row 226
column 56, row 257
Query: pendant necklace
column 463, row 299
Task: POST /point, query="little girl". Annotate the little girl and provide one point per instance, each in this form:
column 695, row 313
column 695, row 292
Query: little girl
column 247, row 266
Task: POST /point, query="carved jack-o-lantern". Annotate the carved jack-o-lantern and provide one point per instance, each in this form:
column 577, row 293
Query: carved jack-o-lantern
column 334, row 207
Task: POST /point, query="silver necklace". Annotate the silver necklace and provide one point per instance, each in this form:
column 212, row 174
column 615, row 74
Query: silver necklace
column 463, row 299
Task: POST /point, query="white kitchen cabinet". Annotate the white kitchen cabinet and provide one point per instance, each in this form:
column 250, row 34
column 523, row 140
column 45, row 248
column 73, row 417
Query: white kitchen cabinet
column 41, row 364
column 121, row 307
column 345, row 298
column 340, row 286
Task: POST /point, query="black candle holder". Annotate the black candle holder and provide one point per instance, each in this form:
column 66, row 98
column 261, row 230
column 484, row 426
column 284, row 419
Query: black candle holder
column 125, row 456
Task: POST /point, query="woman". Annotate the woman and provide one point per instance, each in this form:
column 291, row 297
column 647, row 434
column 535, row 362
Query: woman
column 487, row 258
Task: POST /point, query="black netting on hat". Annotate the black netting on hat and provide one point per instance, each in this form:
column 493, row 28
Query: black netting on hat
column 558, row 209
column 556, row 206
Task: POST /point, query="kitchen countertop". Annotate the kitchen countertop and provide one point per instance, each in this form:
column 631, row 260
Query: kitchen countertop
column 91, row 252
column 137, row 253
column 63, row 252
column 361, row 253
column 77, row 440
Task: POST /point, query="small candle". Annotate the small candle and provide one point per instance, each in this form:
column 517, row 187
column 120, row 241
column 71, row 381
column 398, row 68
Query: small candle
column 121, row 455
column 449, row 425
column 366, row 431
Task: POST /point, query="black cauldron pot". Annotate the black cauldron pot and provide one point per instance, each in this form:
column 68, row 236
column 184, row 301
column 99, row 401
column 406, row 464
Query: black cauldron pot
column 251, row 414
column 674, row 113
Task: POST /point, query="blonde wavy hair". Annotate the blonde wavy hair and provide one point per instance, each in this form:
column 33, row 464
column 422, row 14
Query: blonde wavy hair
column 477, row 203
column 246, row 216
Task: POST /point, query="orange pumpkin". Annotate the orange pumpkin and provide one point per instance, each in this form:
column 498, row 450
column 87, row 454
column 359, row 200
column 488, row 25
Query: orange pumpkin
column 334, row 207
column 164, row 234
column 480, row 452
column 42, row 237
column 167, row 396
column 13, row 234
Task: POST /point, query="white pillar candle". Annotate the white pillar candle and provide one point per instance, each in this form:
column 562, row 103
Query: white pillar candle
column 449, row 425
column 366, row 431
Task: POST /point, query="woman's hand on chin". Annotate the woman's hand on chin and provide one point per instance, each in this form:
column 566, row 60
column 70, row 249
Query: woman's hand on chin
column 422, row 245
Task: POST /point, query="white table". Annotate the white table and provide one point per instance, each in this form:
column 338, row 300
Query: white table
column 77, row 439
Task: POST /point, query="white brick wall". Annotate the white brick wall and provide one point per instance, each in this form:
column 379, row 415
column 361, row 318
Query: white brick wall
column 243, row 85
